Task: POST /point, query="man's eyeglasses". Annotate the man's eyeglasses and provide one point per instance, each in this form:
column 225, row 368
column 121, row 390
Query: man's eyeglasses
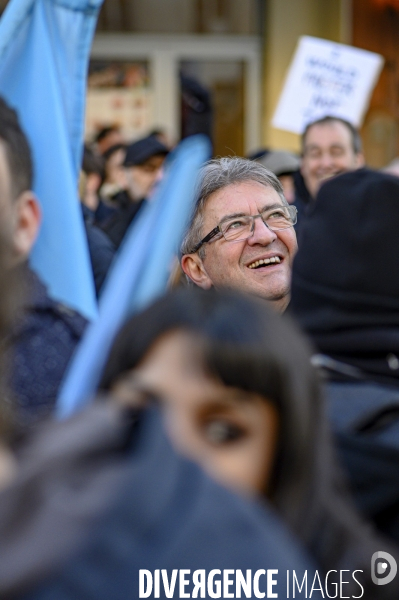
column 237, row 229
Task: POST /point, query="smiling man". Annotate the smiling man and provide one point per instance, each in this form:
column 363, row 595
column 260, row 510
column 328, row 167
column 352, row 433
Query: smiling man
column 330, row 146
column 241, row 233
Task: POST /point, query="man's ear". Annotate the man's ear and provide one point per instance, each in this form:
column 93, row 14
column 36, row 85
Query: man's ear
column 194, row 268
column 27, row 218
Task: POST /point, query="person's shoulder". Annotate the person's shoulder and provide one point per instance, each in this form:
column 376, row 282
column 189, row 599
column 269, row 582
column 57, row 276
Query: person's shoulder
column 42, row 310
column 72, row 319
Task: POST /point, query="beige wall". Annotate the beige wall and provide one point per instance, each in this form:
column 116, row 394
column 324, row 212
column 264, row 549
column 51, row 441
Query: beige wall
column 286, row 21
column 179, row 16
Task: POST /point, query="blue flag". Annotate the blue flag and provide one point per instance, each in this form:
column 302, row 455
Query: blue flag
column 140, row 272
column 44, row 50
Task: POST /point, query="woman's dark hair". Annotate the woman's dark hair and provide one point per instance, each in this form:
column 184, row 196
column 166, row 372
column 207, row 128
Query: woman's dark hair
column 246, row 345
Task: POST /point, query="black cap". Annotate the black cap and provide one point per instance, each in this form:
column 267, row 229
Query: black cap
column 140, row 151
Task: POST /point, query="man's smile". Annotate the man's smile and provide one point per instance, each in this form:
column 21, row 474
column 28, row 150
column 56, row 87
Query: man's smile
column 265, row 262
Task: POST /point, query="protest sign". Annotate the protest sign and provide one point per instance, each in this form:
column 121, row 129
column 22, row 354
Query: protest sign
column 326, row 78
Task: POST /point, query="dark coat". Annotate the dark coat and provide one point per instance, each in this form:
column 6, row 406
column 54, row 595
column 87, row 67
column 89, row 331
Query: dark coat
column 101, row 249
column 41, row 345
column 117, row 225
column 365, row 420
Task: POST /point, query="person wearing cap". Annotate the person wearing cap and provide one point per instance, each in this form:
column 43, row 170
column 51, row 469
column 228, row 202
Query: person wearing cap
column 142, row 164
column 284, row 165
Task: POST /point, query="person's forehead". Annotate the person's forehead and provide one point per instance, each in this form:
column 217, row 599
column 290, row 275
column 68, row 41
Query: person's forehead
column 181, row 352
column 246, row 197
column 328, row 134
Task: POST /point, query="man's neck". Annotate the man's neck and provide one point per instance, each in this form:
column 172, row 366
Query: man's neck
column 281, row 305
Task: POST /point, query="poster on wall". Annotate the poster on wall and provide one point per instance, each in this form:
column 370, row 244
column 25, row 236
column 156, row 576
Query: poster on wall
column 326, row 78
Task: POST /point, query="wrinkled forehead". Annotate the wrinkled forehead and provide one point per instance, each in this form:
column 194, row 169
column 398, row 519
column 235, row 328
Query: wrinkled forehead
column 247, row 198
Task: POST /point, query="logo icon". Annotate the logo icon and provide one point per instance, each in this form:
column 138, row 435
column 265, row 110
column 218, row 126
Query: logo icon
column 383, row 568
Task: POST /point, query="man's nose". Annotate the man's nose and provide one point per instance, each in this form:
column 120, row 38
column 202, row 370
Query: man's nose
column 326, row 160
column 262, row 233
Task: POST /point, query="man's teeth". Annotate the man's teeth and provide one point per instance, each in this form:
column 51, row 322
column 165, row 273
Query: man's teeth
column 264, row 261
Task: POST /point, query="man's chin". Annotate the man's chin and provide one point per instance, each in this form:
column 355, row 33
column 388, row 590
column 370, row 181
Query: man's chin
column 278, row 299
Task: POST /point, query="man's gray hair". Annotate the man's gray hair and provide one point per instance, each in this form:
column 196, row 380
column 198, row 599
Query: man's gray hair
column 216, row 175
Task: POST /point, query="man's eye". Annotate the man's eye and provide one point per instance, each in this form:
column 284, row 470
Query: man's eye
column 223, row 432
column 277, row 214
column 236, row 224
column 336, row 152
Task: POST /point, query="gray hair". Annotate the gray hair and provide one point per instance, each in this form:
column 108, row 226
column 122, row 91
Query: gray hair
column 216, row 175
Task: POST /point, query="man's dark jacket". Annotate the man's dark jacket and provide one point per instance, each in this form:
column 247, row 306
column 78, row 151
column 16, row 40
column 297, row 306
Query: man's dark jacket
column 40, row 347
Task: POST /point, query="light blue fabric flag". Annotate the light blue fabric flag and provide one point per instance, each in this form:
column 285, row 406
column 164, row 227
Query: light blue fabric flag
column 44, row 50
column 140, row 272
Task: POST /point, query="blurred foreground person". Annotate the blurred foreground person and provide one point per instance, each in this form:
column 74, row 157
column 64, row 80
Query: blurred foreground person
column 91, row 501
column 240, row 398
column 345, row 294
column 46, row 332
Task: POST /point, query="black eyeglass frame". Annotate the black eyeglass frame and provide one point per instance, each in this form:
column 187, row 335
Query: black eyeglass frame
column 293, row 216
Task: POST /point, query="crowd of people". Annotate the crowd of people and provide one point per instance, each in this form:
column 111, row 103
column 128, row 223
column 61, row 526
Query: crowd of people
column 247, row 420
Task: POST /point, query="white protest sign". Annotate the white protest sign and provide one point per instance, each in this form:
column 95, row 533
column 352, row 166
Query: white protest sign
column 326, row 78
